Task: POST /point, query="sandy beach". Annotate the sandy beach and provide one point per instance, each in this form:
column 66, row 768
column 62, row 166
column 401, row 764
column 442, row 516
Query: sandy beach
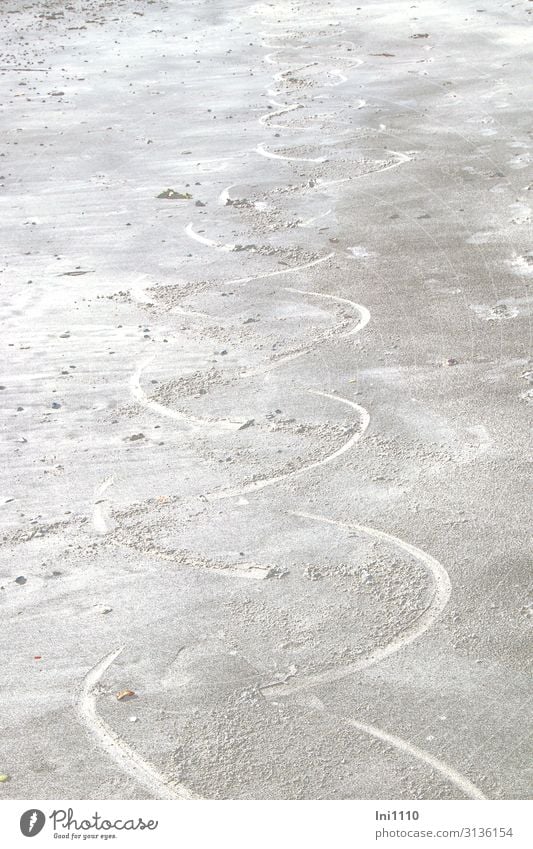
column 265, row 290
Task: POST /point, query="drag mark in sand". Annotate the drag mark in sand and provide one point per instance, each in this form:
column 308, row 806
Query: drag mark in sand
column 418, row 627
column 342, row 78
column 312, row 220
column 255, row 486
column 142, row 398
column 235, row 424
column 224, row 197
column 449, row 773
column 441, row 595
column 211, row 243
column 336, row 332
column 292, row 270
column 401, row 159
column 127, row 758
column 271, row 155
column 99, row 518
column 139, row 295
column 362, row 310
column 439, row 599
column 265, row 119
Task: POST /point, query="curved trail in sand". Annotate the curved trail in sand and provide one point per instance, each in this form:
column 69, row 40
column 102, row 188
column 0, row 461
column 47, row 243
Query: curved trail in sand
column 142, row 398
column 255, row 486
column 265, row 119
column 226, row 424
column 439, row 600
column 271, row 155
column 401, row 158
column 291, row 270
column 362, row 310
column 335, row 332
column 127, row 758
column 416, row 629
column 211, row 243
column 139, row 295
column 100, row 521
column 309, row 221
column 444, row 769
column 336, row 73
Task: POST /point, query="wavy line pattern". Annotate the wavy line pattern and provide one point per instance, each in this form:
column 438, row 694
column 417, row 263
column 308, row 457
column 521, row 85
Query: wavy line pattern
column 364, row 318
column 255, row 486
column 130, row 761
column 127, row 758
column 266, row 119
column 439, row 600
column 191, row 232
column 271, row 155
column 142, row 398
column 441, row 593
column 293, row 270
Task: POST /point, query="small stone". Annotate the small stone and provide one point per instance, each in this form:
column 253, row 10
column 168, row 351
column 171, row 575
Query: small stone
column 125, row 694
column 20, row 580
column 172, row 194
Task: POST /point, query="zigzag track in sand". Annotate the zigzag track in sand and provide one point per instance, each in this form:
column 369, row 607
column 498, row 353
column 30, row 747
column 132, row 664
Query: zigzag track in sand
column 125, row 756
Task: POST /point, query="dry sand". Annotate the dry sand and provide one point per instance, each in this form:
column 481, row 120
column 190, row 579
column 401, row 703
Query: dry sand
column 266, row 317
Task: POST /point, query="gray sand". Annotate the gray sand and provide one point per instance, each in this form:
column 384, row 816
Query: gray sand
column 266, row 432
